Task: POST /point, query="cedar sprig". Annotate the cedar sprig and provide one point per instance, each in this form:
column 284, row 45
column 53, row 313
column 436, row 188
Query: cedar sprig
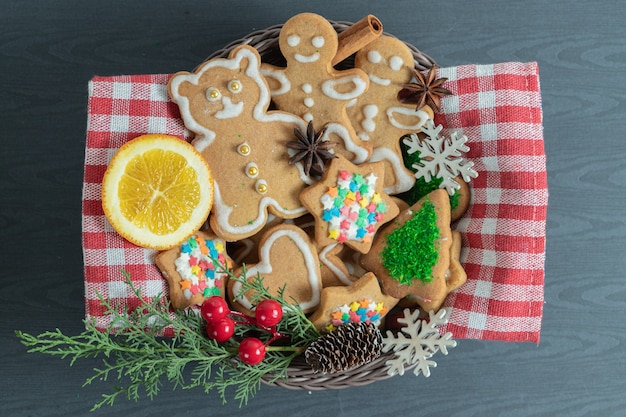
column 294, row 320
column 133, row 354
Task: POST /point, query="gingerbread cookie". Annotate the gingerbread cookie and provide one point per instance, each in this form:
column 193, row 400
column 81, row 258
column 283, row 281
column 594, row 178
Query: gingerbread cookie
column 310, row 87
column 378, row 116
column 412, row 254
column 287, row 259
column 349, row 204
column 337, row 266
column 361, row 301
column 461, row 199
column 225, row 103
column 455, row 277
column 195, row 269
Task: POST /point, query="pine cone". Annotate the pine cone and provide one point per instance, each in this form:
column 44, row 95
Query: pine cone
column 351, row 345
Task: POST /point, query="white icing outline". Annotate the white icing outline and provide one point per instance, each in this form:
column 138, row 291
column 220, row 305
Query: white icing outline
column 407, row 111
column 379, row 80
column 360, row 153
column 333, row 268
column 222, row 212
column 403, row 181
column 360, row 86
column 307, row 59
column 265, row 267
column 230, row 109
column 206, row 136
column 278, row 75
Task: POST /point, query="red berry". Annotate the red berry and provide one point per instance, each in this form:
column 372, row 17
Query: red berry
column 222, row 330
column 251, row 351
column 214, row 309
column 268, row 313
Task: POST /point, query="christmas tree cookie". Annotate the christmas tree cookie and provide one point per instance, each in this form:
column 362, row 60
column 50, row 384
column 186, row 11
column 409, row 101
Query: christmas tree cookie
column 411, row 256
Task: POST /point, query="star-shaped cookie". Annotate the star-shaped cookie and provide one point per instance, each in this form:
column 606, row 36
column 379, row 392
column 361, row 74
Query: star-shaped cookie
column 190, row 269
column 349, row 204
column 360, row 301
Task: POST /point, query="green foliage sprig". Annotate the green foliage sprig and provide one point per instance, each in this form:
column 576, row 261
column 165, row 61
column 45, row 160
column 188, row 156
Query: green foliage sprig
column 133, row 352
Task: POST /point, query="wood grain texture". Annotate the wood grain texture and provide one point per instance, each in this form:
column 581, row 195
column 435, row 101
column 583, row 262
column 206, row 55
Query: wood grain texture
column 48, row 52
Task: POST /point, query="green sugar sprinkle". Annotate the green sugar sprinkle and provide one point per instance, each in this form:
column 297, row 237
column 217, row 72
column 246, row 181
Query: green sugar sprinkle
column 411, row 252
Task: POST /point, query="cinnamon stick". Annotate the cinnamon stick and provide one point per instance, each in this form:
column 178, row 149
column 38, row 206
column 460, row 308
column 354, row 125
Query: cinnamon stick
column 357, row 36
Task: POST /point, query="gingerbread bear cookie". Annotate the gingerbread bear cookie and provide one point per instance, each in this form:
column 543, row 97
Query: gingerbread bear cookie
column 225, row 103
column 287, row 260
column 196, row 269
column 411, row 256
column 378, row 116
column 349, row 204
column 362, row 301
column 310, row 87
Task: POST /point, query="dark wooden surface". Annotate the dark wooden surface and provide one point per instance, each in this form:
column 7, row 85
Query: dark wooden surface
column 50, row 49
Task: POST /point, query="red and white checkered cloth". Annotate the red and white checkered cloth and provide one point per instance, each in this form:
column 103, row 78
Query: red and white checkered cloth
column 497, row 106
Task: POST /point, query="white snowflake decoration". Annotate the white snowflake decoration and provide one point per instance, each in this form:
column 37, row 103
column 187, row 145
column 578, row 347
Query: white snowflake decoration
column 441, row 157
column 423, row 341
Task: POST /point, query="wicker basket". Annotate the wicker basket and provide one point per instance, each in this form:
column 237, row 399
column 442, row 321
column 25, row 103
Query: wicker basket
column 300, row 375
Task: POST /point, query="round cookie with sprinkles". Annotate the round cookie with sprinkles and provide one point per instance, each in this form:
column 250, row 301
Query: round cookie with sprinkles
column 349, row 204
column 194, row 269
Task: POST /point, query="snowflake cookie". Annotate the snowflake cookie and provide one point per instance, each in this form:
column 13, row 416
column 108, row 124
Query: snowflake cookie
column 417, row 342
column 441, row 157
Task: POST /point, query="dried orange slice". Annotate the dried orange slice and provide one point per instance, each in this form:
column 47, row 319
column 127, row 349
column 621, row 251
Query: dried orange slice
column 157, row 191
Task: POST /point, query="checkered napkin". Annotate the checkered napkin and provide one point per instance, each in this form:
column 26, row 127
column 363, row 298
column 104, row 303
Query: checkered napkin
column 497, row 106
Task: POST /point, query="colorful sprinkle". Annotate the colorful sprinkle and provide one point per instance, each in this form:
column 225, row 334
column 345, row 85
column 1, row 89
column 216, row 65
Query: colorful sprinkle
column 358, row 311
column 353, row 208
column 196, row 266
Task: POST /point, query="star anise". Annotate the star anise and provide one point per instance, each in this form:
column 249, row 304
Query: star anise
column 311, row 150
column 425, row 90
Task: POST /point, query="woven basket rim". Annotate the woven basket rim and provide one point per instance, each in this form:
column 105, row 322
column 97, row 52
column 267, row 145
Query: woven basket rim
column 299, row 375
column 265, row 41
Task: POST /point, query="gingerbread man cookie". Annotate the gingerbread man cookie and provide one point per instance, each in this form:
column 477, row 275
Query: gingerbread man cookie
column 378, row 116
column 225, row 103
column 310, row 87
